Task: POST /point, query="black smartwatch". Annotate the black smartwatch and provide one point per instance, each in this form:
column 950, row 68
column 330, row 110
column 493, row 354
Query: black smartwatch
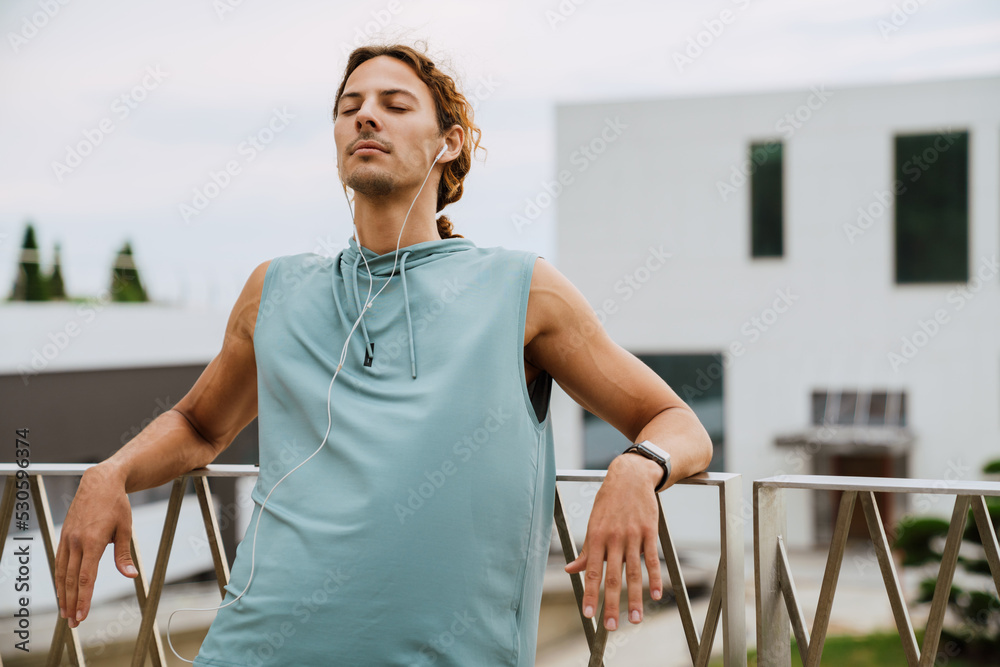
column 653, row 453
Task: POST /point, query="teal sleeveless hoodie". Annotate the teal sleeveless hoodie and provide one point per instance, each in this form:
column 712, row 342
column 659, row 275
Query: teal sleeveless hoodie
column 419, row 533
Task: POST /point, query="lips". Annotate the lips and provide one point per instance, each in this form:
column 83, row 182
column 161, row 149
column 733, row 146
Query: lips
column 369, row 147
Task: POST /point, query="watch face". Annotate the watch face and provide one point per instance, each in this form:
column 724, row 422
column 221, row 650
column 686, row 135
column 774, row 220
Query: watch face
column 656, row 450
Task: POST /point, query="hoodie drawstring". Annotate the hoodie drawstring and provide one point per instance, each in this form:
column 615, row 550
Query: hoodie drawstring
column 369, row 346
column 409, row 324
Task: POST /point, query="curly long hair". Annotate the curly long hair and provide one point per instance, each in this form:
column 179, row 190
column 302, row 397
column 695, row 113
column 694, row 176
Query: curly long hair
column 452, row 108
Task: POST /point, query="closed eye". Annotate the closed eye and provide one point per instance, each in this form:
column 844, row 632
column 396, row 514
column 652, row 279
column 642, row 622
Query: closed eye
column 349, row 111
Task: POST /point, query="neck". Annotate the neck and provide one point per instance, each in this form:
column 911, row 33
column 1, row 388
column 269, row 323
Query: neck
column 378, row 220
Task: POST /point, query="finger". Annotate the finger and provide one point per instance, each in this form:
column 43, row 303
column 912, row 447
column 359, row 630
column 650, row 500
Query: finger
column 88, row 573
column 653, row 568
column 612, row 587
column 123, row 553
column 60, row 576
column 633, row 577
column 72, row 578
column 577, row 564
column 592, row 579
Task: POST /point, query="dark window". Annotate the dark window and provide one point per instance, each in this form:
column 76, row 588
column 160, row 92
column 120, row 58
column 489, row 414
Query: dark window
column 697, row 379
column 766, row 200
column 932, row 208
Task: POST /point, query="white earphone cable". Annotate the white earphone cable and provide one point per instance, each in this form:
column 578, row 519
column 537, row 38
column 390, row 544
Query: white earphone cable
column 340, row 364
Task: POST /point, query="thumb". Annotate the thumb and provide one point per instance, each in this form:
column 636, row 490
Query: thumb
column 123, row 554
column 577, row 564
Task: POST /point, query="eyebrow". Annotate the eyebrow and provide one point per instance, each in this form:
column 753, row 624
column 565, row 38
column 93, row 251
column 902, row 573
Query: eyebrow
column 383, row 93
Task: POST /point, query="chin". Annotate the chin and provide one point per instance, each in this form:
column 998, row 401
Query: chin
column 370, row 181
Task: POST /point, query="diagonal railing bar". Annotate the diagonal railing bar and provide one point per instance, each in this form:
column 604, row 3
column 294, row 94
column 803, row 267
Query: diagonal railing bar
column 711, row 618
column 600, row 640
column 212, row 531
column 7, row 505
column 140, row 582
column 576, row 578
column 678, row 586
column 825, row 605
column 889, row 576
column 792, row 601
column 942, row 590
column 989, row 537
column 147, row 627
column 43, row 513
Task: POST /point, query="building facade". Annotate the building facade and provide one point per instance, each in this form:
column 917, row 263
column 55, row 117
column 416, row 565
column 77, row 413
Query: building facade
column 814, row 272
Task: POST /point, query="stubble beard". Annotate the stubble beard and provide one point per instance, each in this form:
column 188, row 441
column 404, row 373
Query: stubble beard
column 371, row 182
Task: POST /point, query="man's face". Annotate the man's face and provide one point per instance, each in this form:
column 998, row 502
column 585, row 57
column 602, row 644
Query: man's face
column 386, row 103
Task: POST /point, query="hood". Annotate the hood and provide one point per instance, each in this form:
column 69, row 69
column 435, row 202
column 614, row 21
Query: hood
column 352, row 267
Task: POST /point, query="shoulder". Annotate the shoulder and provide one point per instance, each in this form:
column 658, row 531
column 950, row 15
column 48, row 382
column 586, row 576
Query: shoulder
column 243, row 318
column 554, row 303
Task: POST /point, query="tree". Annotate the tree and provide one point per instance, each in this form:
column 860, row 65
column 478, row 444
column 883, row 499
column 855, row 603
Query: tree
column 54, row 282
column 30, row 284
column 978, row 609
column 125, row 282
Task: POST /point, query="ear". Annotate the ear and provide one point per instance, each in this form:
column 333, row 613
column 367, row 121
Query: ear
column 455, row 139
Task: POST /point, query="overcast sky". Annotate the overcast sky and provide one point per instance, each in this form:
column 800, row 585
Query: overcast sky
column 210, row 73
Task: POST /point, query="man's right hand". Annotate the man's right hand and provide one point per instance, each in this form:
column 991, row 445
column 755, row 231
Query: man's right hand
column 99, row 514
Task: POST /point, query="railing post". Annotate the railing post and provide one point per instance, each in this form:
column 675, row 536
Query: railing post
column 773, row 635
column 734, row 634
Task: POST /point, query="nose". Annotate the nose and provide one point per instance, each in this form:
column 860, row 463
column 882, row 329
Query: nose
column 366, row 118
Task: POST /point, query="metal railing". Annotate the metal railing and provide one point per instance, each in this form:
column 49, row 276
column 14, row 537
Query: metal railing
column 778, row 607
column 728, row 591
column 727, row 598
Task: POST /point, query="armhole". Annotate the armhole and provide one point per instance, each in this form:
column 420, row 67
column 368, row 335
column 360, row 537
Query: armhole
column 265, row 292
column 537, row 400
column 540, row 391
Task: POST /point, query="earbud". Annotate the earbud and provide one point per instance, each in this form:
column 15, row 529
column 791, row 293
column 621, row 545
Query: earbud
column 441, row 152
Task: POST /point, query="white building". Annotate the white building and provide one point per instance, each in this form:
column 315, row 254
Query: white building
column 857, row 308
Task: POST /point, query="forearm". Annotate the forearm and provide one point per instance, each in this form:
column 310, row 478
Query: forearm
column 167, row 448
column 678, row 432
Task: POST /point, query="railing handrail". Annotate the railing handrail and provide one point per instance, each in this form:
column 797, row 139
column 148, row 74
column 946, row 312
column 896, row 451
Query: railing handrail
column 882, row 484
column 249, row 469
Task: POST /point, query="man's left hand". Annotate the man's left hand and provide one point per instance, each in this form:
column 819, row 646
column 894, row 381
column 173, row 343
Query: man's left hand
column 623, row 526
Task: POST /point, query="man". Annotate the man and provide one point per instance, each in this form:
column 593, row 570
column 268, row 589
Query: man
column 425, row 516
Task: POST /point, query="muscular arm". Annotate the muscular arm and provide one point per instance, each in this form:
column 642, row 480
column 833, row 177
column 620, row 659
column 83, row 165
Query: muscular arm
column 188, row 436
column 209, row 417
column 568, row 341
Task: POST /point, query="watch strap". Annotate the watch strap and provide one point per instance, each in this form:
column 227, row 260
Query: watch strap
column 665, row 464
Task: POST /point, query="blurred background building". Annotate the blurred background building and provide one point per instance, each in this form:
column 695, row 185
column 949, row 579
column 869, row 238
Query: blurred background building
column 813, row 271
